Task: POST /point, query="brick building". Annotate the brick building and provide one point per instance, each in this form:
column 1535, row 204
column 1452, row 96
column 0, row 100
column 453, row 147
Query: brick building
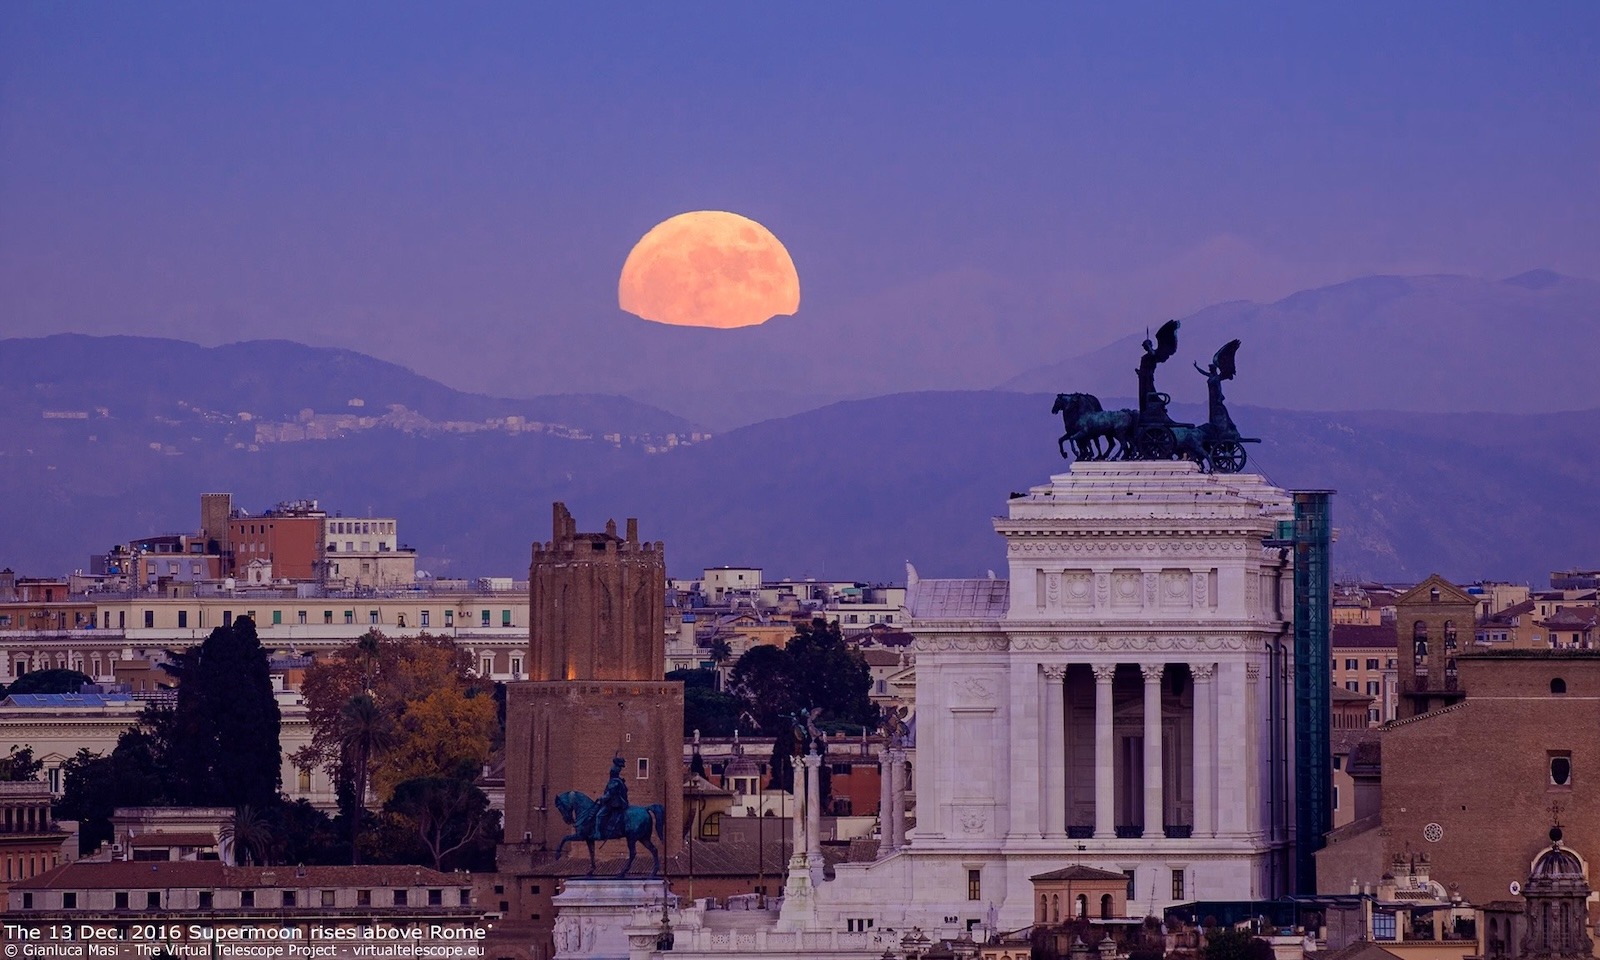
column 1520, row 749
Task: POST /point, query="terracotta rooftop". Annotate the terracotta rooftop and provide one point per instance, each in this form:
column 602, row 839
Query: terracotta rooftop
column 1080, row 872
column 143, row 875
column 1346, row 635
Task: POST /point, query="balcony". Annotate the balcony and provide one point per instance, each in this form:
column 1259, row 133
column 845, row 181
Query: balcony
column 1178, row 831
column 1080, row 831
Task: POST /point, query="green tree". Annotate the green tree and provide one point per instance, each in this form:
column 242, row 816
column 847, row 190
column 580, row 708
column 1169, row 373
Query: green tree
column 224, row 728
column 95, row 786
column 20, row 765
column 49, row 681
column 705, row 708
column 450, row 815
column 364, row 731
column 250, row 834
column 817, row 668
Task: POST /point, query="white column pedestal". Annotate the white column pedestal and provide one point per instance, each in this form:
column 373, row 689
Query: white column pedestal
column 1055, row 752
column 1105, row 764
column 1153, row 813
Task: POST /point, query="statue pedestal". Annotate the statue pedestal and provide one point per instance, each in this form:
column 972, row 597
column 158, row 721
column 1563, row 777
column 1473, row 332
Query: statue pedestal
column 592, row 915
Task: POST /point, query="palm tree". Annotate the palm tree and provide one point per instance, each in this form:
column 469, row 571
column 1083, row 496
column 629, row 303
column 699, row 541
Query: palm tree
column 720, row 652
column 250, row 836
column 364, row 731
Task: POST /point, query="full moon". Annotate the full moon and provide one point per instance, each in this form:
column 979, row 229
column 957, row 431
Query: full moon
column 708, row 268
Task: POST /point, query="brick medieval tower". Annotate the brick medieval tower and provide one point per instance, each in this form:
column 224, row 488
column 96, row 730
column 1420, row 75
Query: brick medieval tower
column 596, row 655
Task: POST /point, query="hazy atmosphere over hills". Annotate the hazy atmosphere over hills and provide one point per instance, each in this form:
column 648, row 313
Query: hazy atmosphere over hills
column 853, row 489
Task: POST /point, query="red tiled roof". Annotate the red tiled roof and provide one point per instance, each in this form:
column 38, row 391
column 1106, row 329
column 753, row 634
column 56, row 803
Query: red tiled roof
column 1347, row 635
column 143, row 874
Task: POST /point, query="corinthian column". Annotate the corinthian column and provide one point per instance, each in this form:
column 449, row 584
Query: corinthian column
column 1205, row 739
column 813, row 764
column 1105, row 787
column 1055, row 752
column 1152, row 749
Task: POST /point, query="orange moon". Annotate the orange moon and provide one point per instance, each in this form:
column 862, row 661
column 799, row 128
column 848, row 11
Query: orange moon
column 708, row 268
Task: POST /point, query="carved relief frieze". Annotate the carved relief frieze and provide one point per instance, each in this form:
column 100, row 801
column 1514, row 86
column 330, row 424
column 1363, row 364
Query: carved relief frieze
column 1061, row 644
column 1102, row 588
column 939, row 644
column 1078, row 588
column 1177, row 589
column 973, row 820
column 1125, row 588
column 1052, row 590
column 981, row 689
column 1200, row 598
column 1151, row 589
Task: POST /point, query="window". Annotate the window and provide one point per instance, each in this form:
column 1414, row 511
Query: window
column 277, row 617
column 1351, row 664
column 1561, row 768
column 288, row 898
column 227, row 618
column 121, row 900
column 1383, row 926
column 400, row 898
column 1338, row 761
column 486, row 618
column 644, row 768
column 449, row 618
column 1336, row 795
column 516, row 666
column 1177, row 884
column 858, row 924
column 327, row 616
column 487, row 667
column 711, row 827
column 303, row 779
column 974, row 884
column 149, row 619
column 372, row 616
column 152, row 900
column 206, row 899
column 1558, row 685
column 349, row 616
column 464, row 896
column 363, row 898
column 1372, row 688
column 1354, row 686
column 247, row 898
column 435, row 898
column 424, row 616
column 27, row 901
column 505, row 618
column 183, row 618
column 69, row 900
column 1129, row 875
column 300, row 617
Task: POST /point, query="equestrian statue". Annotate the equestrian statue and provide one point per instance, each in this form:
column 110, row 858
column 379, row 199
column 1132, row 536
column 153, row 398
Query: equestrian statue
column 610, row 817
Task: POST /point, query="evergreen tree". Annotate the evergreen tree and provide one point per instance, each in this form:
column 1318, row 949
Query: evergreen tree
column 224, row 729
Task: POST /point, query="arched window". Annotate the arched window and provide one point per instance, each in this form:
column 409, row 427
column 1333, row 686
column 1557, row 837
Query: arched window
column 1083, row 907
column 1558, row 685
column 1044, row 909
column 1105, row 906
column 1449, row 634
column 1419, row 641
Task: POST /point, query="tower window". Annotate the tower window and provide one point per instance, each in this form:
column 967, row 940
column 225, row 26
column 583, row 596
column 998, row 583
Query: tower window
column 1561, row 768
column 974, row 884
column 1558, row 685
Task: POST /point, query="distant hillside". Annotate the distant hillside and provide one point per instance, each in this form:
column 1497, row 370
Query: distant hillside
column 183, row 395
column 854, row 489
column 1429, row 344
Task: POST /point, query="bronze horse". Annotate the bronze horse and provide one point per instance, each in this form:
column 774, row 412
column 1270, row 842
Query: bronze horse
column 636, row 826
column 1087, row 425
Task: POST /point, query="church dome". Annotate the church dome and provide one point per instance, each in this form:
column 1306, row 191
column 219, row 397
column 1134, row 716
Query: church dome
column 1556, row 865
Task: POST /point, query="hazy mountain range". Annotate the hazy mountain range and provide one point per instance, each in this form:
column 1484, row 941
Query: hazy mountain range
column 115, row 438
column 1433, row 343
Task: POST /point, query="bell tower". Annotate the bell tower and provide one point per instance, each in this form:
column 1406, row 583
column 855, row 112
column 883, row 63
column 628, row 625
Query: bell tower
column 596, row 654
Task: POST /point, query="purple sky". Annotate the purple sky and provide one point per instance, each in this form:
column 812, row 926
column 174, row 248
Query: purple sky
column 385, row 175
